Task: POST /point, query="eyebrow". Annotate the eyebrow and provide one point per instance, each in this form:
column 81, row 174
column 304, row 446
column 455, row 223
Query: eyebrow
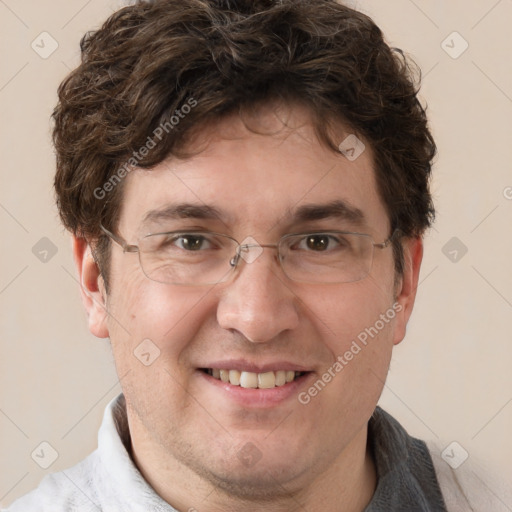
column 338, row 209
column 183, row 211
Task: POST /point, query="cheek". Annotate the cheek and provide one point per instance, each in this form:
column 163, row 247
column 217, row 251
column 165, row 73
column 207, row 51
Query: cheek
column 152, row 331
column 358, row 331
column 347, row 311
column 357, row 321
column 142, row 310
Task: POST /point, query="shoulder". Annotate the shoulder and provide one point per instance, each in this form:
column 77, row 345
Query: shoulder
column 469, row 486
column 68, row 490
column 439, row 474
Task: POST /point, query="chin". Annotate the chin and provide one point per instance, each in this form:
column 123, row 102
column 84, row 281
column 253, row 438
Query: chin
column 263, row 482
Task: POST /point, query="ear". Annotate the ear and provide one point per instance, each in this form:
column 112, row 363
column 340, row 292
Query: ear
column 92, row 287
column 406, row 290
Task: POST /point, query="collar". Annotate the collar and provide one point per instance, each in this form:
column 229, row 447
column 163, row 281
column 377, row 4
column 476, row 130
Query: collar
column 405, row 472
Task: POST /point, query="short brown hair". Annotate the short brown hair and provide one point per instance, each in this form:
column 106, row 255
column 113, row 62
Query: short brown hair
column 149, row 59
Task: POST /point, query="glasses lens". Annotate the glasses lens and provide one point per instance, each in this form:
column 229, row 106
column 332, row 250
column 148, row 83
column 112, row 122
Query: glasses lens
column 203, row 258
column 195, row 258
column 331, row 257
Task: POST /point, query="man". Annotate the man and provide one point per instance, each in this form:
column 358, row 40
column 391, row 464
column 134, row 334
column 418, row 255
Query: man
column 246, row 183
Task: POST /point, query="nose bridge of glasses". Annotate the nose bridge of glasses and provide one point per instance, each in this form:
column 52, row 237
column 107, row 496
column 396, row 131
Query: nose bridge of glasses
column 244, row 252
column 244, row 247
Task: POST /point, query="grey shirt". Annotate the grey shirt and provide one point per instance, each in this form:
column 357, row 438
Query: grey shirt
column 406, row 477
column 108, row 480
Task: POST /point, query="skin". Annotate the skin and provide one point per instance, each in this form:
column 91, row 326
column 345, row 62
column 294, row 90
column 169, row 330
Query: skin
column 186, row 433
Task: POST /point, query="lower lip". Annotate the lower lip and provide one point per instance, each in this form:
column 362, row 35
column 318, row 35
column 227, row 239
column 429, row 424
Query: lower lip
column 259, row 397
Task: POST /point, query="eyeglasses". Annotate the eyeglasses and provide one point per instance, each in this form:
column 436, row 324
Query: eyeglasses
column 207, row 258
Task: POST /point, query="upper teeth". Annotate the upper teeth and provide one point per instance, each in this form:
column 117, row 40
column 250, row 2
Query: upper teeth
column 244, row 379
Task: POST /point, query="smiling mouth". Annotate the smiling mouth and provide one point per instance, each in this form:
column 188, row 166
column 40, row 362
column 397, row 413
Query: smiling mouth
column 250, row 380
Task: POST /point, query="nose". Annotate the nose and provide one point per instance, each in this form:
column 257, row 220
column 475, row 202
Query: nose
column 258, row 302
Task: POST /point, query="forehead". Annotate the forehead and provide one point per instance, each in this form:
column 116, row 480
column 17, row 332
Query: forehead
column 259, row 176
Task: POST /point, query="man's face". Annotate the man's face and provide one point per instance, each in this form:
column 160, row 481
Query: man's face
column 258, row 319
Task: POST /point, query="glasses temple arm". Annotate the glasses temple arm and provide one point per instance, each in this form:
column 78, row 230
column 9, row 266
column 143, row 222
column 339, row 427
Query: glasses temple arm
column 119, row 241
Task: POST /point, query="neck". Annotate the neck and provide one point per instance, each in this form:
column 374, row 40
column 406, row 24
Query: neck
column 349, row 482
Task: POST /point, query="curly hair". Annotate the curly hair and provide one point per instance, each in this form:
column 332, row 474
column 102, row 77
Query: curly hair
column 149, row 59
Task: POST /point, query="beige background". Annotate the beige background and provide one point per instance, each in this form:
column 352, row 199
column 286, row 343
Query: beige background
column 451, row 380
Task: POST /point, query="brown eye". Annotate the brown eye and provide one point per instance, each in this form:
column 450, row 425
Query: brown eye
column 317, row 242
column 191, row 242
column 187, row 242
